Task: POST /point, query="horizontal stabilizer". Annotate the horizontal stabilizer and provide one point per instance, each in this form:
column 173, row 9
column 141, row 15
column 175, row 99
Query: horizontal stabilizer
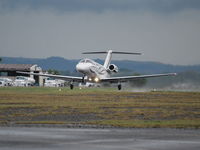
column 101, row 52
column 126, row 53
column 114, row 52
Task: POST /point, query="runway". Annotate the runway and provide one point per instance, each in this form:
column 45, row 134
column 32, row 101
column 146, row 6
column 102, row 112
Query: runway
column 24, row 138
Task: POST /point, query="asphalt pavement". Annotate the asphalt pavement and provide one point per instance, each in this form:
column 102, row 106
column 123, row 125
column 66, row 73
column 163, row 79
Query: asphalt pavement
column 25, row 138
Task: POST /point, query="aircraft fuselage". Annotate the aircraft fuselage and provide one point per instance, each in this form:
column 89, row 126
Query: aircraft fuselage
column 91, row 70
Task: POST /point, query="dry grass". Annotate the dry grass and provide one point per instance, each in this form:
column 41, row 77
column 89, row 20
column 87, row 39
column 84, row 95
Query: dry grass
column 99, row 107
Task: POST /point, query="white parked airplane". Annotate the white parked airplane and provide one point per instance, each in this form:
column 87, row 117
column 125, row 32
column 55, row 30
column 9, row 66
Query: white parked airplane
column 95, row 72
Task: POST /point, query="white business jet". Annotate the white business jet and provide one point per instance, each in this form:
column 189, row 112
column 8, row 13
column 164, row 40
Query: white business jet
column 96, row 73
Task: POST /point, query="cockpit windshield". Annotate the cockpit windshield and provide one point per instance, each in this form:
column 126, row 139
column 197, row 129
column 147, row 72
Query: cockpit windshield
column 87, row 61
column 82, row 61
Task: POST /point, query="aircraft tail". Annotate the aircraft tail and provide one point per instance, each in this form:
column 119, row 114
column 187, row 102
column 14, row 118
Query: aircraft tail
column 109, row 55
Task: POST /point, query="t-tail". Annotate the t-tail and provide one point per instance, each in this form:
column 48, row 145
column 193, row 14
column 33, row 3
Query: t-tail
column 109, row 55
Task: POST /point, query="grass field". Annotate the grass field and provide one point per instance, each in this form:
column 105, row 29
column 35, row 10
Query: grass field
column 97, row 106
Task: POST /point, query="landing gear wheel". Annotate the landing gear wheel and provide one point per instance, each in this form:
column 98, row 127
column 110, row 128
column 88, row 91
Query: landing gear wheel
column 83, row 79
column 119, row 87
column 71, row 86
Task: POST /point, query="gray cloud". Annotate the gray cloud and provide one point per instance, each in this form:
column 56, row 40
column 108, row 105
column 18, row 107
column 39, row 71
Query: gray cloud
column 164, row 6
column 67, row 28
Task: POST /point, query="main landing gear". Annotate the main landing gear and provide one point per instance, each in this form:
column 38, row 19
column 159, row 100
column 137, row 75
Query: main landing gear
column 71, row 85
column 119, row 86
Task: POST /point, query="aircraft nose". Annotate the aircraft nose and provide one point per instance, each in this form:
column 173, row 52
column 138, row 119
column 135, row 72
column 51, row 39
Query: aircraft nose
column 81, row 68
column 78, row 67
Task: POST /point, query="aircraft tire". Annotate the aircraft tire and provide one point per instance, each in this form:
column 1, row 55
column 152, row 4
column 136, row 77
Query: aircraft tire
column 83, row 79
column 119, row 87
column 71, row 86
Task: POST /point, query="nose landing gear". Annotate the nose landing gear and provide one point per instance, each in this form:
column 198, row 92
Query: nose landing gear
column 83, row 79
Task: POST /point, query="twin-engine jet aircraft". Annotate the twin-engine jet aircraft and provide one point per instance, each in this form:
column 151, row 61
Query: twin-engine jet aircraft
column 96, row 73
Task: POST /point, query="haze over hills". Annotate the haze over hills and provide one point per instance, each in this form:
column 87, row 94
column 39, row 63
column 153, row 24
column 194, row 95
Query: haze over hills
column 63, row 64
column 188, row 77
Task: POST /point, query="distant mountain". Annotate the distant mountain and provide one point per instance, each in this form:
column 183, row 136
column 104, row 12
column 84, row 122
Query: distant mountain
column 63, row 64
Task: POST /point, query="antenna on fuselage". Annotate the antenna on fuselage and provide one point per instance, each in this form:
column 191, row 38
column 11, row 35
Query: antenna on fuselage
column 109, row 55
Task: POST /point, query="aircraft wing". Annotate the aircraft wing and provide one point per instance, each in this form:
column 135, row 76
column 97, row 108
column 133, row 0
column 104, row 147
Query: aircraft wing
column 68, row 78
column 127, row 78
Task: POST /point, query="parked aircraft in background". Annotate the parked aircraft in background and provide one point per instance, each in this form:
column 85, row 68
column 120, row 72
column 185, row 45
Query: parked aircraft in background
column 23, row 81
column 2, row 83
column 94, row 72
column 51, row 82
column 6, row 82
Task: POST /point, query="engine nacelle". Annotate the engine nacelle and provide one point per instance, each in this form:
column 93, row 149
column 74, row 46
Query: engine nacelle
column 113, row 68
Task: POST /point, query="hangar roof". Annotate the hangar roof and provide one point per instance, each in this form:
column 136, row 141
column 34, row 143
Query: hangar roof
column 18, row 67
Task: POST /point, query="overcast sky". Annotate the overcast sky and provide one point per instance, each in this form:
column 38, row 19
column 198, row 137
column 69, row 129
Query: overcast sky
column 167, row 31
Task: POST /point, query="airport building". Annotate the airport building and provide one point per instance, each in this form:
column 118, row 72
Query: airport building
column 10, row 71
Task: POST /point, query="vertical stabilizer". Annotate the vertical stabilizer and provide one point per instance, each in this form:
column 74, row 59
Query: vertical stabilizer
column 108, row 59
column 109, row 55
